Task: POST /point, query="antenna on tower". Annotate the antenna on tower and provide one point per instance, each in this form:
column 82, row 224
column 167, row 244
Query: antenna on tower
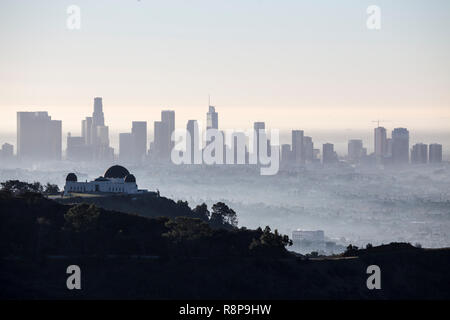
column 378, row 122
column 209, row 100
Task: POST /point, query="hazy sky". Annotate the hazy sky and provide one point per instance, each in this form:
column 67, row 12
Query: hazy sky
column 293, row 64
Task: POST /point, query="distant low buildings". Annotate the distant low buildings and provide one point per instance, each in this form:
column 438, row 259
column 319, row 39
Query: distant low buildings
column 305, row 241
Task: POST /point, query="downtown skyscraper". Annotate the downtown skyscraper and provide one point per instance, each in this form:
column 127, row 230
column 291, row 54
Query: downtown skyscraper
column 297, row 146
column 39, row 138
column 400, row 146
column 94, row 143
column 162, row 145
column 133, row 145
column 380, row 144
column 212, row 118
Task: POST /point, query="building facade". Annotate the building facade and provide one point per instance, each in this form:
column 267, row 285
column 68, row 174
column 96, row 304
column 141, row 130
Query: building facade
column 38, row 136
column 117, row 179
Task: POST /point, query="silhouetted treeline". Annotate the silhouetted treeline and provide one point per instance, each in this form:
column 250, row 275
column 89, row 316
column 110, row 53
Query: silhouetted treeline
column 20, row 187
column 33, row 226
column 126, row 256
column 153, row 205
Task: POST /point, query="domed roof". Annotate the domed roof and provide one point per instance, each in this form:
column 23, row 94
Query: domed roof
column 116, row 172
column 130, row 178
column 71, row 177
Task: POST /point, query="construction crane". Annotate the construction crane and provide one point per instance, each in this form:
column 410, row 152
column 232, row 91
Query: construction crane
column 378, row 121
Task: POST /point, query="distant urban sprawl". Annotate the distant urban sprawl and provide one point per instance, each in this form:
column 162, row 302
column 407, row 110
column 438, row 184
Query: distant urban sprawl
column 39, row 139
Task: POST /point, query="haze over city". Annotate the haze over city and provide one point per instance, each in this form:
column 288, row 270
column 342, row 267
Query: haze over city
column 224, row 149
column 315, row 66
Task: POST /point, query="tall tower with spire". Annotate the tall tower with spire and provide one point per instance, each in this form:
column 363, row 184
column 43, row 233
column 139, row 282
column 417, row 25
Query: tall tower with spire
column 98, row 119
column 212, row 117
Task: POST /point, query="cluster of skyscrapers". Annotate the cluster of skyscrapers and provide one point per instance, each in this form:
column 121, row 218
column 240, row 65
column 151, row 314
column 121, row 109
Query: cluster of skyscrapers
column 94, row 141
column 39, row 138
column 395, row 150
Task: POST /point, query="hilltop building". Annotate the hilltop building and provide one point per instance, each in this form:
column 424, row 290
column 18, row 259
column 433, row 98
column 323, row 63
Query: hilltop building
column 117, row 179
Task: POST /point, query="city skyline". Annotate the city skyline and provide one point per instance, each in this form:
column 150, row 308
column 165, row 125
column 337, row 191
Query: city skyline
column 174, row 55
column 94, row 142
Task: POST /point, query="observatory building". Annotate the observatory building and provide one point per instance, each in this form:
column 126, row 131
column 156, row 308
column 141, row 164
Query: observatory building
column 117, row 179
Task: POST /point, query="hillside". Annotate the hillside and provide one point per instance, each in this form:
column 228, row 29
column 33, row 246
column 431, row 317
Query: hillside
column 126, row 256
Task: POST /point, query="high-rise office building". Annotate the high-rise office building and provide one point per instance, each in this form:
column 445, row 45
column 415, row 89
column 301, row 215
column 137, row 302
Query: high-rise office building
column 94, row 143
column 98, row 118
column 238, row 147
column 161, row 143
column 286, row 154
column 86, row 130
column 389, row 148
column 77, row 150
column 103, row 136
column 259, row 128
column 380, row 143
column 162, row 139
column 435, row 153
column 38, row 136
column 212, row 118
column 316, row 155
column 139, row 134
column 99, row 133
column 133, row 146
column 400, row 146
column 308, row 149
column 419, row 153
column 126, row 148
column 297, row 146
column 355, row 150
column 328, row 154
column 7, row 152
column 168, row 117
column 193, row 144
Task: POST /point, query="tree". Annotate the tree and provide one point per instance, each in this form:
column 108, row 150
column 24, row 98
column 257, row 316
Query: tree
column 351, row 250
column 201, row 211
column 223, row 216
column 36, row 187
column 184, row 228
column 270, row 243
column 20, row 187
column 51, row 188
column 82, row 218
